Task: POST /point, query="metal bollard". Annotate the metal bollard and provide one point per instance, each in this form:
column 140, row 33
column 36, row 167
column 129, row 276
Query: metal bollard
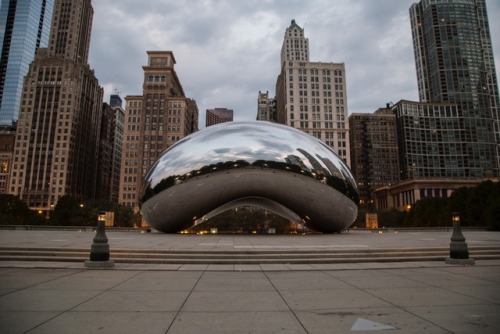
column 99, row 251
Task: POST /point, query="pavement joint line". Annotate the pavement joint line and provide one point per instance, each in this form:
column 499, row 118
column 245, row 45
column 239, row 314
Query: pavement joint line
column 185, row 300
column 85, row 301
column 402, row 308
column 286, row 303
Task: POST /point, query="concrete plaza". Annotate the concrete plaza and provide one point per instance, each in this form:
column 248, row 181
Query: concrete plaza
column 393, row 297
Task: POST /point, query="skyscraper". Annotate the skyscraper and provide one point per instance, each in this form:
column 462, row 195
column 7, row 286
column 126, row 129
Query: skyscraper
column 57, row 136
column 374, row 151
column 24, row 27
column 218, row 115
column 311, row 96
column 110, row 150
column 455, row 64
column 154, row 121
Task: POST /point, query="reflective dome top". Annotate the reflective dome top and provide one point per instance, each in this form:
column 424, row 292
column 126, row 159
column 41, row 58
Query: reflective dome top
column 236, row 145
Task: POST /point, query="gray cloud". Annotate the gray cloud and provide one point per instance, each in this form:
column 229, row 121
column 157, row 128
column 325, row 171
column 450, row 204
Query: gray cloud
column 227, row 51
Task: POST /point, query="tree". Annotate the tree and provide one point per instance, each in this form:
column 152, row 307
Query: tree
column 15, row 211
column 68, row 211
column 391, row 218
column 427, row 212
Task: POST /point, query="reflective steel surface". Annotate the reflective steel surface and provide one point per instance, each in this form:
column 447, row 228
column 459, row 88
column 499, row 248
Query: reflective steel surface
column 262, row 164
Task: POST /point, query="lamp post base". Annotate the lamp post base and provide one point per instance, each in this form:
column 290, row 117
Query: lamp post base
column 99, row 264
column 465, row 262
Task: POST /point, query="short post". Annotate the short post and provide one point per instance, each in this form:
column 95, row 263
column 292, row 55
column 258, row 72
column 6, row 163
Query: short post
column 99, row 251
column 459, row 252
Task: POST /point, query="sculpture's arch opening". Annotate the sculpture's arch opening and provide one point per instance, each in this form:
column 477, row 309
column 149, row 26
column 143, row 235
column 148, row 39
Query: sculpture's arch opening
column 249, row 215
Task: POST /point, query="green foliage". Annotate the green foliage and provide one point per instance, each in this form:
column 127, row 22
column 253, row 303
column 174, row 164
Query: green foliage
column 70, row 212
column 67, row 212
column 477, row 206
column 13, row 211
column 492, row 214
column 391, row 218
column 428, row 212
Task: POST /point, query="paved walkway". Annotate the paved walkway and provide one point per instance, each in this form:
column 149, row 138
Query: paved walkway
column 416, row 297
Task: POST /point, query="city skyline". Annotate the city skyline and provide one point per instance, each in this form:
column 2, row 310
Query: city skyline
column 217, row 59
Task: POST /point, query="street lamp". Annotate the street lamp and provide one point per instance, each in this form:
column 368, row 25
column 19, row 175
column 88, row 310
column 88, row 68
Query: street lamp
column 459, row 253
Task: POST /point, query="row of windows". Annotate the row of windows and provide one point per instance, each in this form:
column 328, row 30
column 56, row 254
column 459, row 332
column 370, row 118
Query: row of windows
column 303, row 71
column 317, row 117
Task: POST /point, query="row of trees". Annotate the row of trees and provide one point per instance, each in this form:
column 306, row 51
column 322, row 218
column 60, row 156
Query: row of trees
column 67, row 212
column 477, row 206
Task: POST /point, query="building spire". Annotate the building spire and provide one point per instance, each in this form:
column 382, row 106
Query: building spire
column 294, row 25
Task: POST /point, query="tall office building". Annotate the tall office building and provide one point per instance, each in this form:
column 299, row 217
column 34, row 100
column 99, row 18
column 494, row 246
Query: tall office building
column 374, row 151
column 7, row 138
column 311, row 96
column 154, row 121
column 455, row 64
column 116, row 102
column 110, row 150
column 24, row 27
column 218, row 115
column 57, row 136
column 450, row 138
column 266, row 107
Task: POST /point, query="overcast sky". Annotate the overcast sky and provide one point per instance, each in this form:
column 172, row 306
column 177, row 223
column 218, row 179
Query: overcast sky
column 227, row 50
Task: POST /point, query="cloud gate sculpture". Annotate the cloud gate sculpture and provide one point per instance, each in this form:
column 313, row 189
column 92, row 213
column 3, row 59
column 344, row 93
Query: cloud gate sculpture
column 261, row 164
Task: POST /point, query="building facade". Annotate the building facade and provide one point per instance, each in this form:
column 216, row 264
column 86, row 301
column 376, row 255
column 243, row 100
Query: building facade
column 105, row 169
column 154, row 121
column 451, row 137
column 24, row 27
column 57, row 137
column 374, row 151
column 218, row 115
column 110, row 150
column 311, row 96
column 455, row 64
column 7, row 138
column 118, row 125
column 266, row 107
column 433, row 143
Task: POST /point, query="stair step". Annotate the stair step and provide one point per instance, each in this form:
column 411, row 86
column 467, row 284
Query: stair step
column 245, row 257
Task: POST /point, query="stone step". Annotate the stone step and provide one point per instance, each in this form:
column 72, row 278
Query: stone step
column 236, row 257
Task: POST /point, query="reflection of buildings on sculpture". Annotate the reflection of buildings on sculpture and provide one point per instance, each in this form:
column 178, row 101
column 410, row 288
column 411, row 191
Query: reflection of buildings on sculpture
column 310, row 96
column 266, row 107
column 218, row 115
column 154, row 121
column 295, row 160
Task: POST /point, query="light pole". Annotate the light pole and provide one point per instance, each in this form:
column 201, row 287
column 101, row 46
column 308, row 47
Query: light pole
column 459, row 252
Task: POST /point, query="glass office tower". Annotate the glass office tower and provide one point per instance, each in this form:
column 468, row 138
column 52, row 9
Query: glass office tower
column 24, row 27
column 455, row 64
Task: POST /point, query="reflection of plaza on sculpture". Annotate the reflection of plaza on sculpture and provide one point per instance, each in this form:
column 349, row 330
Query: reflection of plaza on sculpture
column 262, row 164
